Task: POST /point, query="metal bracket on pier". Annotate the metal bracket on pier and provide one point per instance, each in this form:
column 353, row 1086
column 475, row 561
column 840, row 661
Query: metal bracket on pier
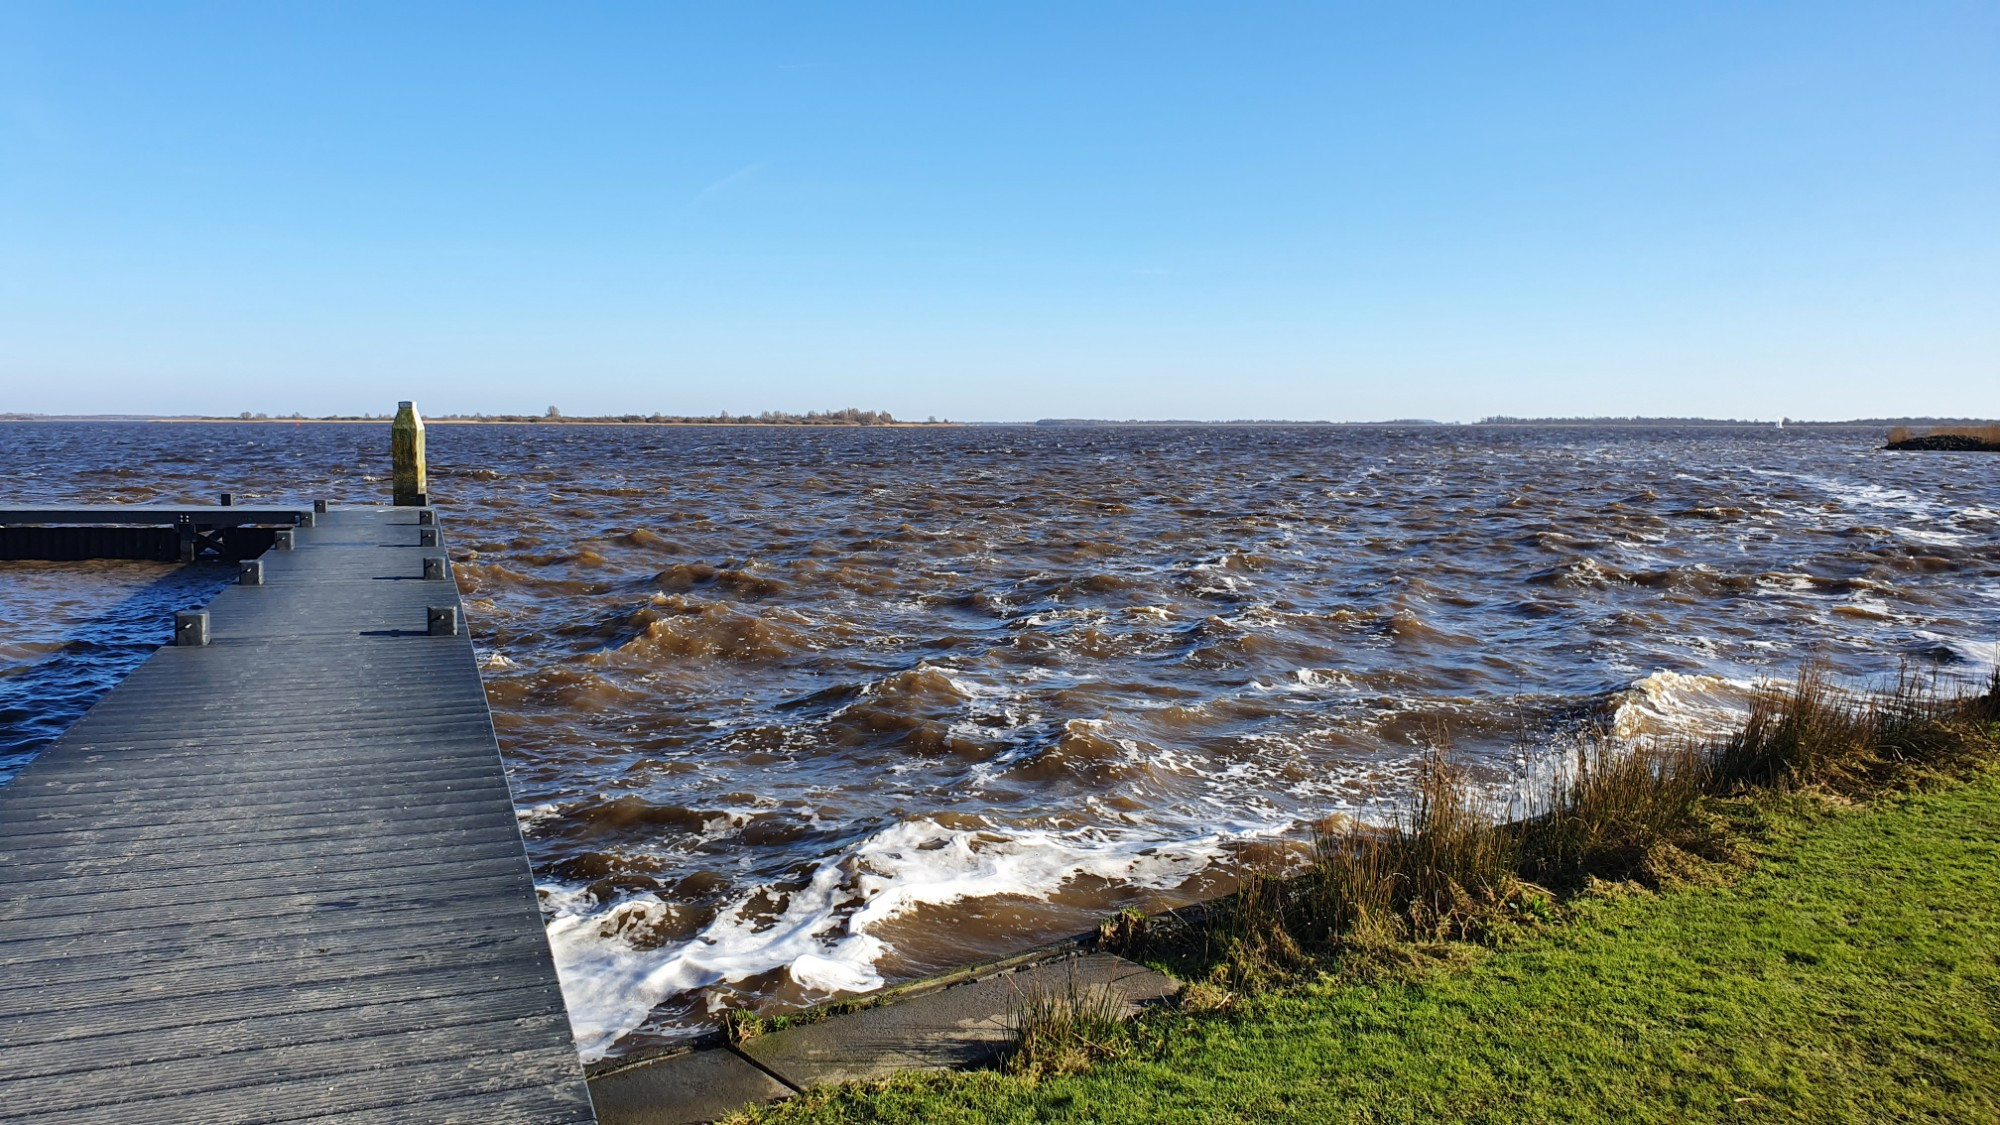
column 197, row 540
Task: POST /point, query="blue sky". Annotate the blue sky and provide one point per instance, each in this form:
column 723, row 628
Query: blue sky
column 1003, row 211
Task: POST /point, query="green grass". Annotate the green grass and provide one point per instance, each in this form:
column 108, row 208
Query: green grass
column 1852, row 974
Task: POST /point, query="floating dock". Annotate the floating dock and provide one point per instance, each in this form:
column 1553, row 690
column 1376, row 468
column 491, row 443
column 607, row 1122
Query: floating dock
column 275, row 874
column 161, row 533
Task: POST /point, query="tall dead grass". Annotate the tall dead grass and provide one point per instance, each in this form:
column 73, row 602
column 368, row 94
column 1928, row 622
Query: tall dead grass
column 1988, row 434
column 1448, row 870
column 1062, row 1027
column 1605, row 814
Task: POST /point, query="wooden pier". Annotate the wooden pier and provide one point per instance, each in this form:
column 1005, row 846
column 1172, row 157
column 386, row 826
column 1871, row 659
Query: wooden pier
column 277, row 876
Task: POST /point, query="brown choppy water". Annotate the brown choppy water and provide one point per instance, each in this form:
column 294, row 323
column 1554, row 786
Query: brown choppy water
column 792, row 713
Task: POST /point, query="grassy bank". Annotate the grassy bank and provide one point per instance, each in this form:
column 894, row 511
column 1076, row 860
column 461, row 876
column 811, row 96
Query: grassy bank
column 1802, row 923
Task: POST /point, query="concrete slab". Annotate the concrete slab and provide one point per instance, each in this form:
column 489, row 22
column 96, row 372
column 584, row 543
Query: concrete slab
column 960, row 1026
column 684, row 1090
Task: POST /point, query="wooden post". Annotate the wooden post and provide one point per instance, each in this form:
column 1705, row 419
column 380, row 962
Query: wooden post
column 406, row 445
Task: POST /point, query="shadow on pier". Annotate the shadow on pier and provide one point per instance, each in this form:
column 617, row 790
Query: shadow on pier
column 41, row 699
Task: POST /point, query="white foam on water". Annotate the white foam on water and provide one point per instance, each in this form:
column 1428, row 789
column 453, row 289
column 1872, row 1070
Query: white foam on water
column 1924, row 535
column 1219, row 583
column 1976, row 658
column 1322, row 677
column 612, row 982
column 1899, row 501
column 1305, row 681
column 1789, row 580
column 1862, row 606
column 822, row 935
column 532, row 818
column 1676, row 704
column 1659, row 706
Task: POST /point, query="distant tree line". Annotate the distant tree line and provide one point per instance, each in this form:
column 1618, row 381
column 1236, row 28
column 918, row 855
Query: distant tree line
column 1176, row 422
column 1639, row 420
column 852, row 416
column 1617, row 420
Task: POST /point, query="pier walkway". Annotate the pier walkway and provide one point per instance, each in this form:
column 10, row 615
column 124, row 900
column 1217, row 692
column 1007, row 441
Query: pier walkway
column 277, row 877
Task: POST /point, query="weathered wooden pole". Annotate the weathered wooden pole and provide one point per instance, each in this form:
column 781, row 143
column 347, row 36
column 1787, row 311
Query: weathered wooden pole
column 406, row 445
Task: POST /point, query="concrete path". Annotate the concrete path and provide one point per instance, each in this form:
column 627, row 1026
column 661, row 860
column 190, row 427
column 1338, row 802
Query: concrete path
column 964, row 1025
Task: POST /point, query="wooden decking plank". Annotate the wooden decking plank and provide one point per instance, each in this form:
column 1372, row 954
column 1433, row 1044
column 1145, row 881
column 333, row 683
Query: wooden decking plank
column 289, row 905
column 238, row 930
column 279, row 877
column 223, row 848
column 86, row 900
column 65, row 1018
column 236, row 787
column 401, row 823
column 45, row 826
column 284, row 859
column 224, row 1070
column 508, row 1107
column 55, row 1059
column 494, row 1071
column 323, row 945
column 177, row 801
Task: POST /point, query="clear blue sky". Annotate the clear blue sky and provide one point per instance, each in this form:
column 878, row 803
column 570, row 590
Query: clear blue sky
column 1002, row 211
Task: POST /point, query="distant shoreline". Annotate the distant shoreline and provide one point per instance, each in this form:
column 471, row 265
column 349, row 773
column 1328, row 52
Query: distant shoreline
column 749, row 424
column 1046, row 423
column 551, row 422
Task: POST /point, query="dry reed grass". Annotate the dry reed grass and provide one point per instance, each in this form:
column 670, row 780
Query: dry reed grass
column 1989, row 435
column 1447, row 870
column 1607, row 812
column 1062, row 1029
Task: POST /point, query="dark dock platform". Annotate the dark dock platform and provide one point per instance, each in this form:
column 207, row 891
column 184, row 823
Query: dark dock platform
column 164, row 533
column 278, row 877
